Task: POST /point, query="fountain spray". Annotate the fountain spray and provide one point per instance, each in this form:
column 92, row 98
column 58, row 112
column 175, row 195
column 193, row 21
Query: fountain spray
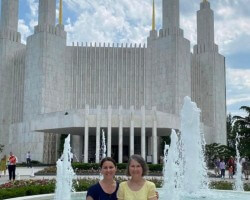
column 238, row 185
column 103, row 147
column 65, row 173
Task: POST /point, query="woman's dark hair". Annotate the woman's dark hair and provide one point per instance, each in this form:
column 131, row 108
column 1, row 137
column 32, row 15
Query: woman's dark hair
column 141, row 161
column 107, row 159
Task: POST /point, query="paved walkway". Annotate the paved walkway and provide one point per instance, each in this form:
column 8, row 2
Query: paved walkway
column 23, row 173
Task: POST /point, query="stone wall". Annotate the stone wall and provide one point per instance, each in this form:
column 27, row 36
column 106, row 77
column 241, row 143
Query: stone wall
column 105, row 75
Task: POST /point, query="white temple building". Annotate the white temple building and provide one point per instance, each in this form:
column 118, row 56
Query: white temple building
column 133, row 92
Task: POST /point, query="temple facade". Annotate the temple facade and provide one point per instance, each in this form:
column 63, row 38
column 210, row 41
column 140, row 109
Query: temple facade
column 131, row 93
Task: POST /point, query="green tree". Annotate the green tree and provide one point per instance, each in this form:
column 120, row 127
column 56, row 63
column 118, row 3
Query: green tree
column 245, row 121
column 215, row 150
column 243, row 128
column 165, row 140
column 231, row 133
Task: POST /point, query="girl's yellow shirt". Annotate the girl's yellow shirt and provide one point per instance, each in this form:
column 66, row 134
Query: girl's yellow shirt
column 147, row 191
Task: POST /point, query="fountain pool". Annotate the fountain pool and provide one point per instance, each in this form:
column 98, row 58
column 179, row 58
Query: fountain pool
column 211, row 195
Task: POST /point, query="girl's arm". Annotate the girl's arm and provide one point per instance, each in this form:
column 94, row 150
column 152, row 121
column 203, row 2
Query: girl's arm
column 89, row 198
column 153, row 193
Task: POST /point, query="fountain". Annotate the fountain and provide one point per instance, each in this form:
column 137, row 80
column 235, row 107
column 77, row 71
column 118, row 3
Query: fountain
column 65, row 173
column 185, row 173
column 103, row 146
column 185, row 176
column 238, row 185
column 103, row 150
column 171, row 168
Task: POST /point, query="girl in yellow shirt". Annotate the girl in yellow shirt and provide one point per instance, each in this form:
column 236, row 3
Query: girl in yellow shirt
column 137, row 188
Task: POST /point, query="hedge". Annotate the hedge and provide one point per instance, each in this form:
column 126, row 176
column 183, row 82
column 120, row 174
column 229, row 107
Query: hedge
column 155, row 167
column 85, row 166
column 33, row 163
column 120, row 166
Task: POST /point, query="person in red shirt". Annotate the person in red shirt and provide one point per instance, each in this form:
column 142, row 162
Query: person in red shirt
column 231, row 163
column 12, row 166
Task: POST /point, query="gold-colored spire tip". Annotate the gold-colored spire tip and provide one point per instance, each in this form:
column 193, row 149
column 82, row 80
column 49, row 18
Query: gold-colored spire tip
column 153, row 16
column 60, row 12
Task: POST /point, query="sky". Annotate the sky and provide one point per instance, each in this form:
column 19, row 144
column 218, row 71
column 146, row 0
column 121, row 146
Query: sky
column 129, row 21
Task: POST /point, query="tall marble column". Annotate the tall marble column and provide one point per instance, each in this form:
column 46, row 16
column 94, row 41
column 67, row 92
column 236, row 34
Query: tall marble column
column 120, row 143
column 47, row 12
column 132, row 135
column 9, row 15
column 109, row 130
column 76, row 147
column 170, row 14
column 154, row 140
column 98, row 122
column 143, row 133
column 86, row 135
column 149, row 141
column 154, row 136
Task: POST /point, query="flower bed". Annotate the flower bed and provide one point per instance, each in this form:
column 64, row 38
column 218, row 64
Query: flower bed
column 26, row 188
column 44, row 186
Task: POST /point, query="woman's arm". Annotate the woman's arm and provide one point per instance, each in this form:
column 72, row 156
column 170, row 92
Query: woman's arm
column 89, row 198
column 152, row 193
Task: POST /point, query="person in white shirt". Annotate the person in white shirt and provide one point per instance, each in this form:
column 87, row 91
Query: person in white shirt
column 28, row 159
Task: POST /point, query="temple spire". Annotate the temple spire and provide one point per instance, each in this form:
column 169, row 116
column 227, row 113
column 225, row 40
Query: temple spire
column 60, row 12
column 47, row 12
column 153, row 16
column 205, row 24
column 9, row 15
column 170, row 14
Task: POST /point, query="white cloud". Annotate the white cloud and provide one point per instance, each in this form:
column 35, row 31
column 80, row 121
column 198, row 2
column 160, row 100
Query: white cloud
column 188, row 24
column 24, row 30
column 26, row 27
column 110, row 21
column 231, row 101
column 33, row 5
column 130, row 21
column 226, row 12
column 239, row 78
column 238, row 90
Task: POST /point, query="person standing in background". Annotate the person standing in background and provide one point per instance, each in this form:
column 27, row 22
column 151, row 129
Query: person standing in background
column 245, row 167
column 12, row 160
column 230, row 172
column 217, row 166
column 28, row 159
column 222, row 168
column 232, row 163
